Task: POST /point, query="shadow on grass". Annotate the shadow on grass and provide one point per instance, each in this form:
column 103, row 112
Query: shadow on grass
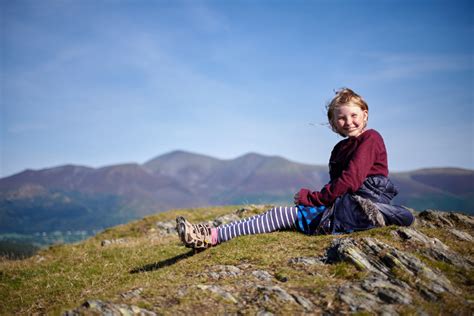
column 164, row 263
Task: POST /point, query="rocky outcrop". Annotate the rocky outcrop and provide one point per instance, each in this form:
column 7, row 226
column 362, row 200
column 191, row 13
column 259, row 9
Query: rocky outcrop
column 393, row 275
column 433, row 247
column 433, row 219
column 396, row 277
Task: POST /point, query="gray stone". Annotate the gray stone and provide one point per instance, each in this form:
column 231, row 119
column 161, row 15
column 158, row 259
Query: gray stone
column 374, row 295
column 394, row 295
column 225, row 219
column 214, row 275
column 433, row 218
column 387, row 291
column 166, row 228
column 461, row 235
column 219, row 291
column 358, row 299
column 274, row 291
column 223, row 271
column 460, row 219
column 307, row 304
column 307, row 260
column 437, row 218
column 262, row 275
column 133, row 293
column 238, row 214
column 433, row 247
column 366, row 259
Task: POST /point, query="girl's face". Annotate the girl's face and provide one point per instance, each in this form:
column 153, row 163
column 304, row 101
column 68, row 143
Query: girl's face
column 350, row 120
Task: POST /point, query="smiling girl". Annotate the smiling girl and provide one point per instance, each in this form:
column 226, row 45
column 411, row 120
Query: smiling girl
column 357, row 196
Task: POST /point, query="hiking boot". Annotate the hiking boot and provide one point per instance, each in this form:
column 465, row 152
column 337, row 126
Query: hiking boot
column 197, row 236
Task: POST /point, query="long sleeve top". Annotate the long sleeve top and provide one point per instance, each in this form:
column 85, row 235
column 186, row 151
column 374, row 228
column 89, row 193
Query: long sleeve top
column 352, row 161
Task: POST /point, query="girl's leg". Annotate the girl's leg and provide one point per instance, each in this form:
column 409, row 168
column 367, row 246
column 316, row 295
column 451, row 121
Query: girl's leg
column 277, row 218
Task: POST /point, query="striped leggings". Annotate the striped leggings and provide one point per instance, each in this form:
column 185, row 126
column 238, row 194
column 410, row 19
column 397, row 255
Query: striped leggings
column 277, row 218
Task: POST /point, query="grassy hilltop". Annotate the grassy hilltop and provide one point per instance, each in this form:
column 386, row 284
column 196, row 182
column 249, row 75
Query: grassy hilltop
column 142, row 267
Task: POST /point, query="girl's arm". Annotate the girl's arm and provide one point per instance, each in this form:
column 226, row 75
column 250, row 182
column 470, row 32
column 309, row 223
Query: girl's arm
column 363, row 160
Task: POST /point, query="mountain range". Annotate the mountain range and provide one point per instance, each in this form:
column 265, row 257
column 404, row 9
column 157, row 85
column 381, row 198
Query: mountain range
column 71, row 198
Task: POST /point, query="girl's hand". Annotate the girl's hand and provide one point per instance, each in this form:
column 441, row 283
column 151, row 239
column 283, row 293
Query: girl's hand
column 297, row 198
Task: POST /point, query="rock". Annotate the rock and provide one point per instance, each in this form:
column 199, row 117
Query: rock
column 307, row 304
column 357, row 299
column 382, row 261
column 379, row 299
column 219, row 291
column 307, row 260
column 433, row 247
column 106, row 308
column 270, row 292
column 108, row 242
column 274, row 291
column 166, row 228
column 225, row 219
column 461, row 235
column 347, row 249
column 461, row 219
column 238, row 214
column 223, row 271
column 439, row 219
column 262, row 275
column 252, row 208
column 134, row 293
column 434, row 218
column 386, row 291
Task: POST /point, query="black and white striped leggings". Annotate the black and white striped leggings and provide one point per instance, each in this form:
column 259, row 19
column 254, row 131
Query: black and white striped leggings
column 277, row 218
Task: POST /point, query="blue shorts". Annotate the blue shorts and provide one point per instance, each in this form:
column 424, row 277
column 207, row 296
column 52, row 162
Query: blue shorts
column 309, row 218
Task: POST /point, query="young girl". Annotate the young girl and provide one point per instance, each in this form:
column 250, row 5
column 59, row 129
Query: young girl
column 356, row 198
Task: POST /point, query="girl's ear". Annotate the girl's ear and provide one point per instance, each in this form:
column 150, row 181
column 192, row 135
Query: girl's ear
column 366, row 115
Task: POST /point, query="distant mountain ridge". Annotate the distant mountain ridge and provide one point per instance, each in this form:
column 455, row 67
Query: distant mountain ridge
column 77, row 197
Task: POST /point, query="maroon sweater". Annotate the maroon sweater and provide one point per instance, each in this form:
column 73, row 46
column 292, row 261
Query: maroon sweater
column 352, row 161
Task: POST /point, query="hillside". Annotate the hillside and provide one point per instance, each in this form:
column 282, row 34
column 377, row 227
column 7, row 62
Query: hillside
column 440, row 188
column 66, row 203
column 141, row 268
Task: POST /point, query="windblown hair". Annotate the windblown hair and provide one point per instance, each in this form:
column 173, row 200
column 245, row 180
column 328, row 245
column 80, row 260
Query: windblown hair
column 344, row 96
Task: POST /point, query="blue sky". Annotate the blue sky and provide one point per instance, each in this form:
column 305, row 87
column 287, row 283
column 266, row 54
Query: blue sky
column 106, row 82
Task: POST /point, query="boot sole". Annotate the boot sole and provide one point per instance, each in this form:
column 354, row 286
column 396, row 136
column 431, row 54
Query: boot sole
column 181, row 228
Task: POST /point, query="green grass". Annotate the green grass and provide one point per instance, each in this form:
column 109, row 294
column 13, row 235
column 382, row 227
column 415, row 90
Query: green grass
column 63, row 277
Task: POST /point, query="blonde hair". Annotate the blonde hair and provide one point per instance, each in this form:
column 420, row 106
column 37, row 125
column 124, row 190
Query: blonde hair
column 345, row 96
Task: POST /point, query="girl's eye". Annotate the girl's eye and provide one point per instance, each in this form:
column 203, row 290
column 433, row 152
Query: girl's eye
column 354, row 115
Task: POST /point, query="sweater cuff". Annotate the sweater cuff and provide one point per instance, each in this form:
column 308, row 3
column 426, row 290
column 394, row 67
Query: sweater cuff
column 304, row 197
